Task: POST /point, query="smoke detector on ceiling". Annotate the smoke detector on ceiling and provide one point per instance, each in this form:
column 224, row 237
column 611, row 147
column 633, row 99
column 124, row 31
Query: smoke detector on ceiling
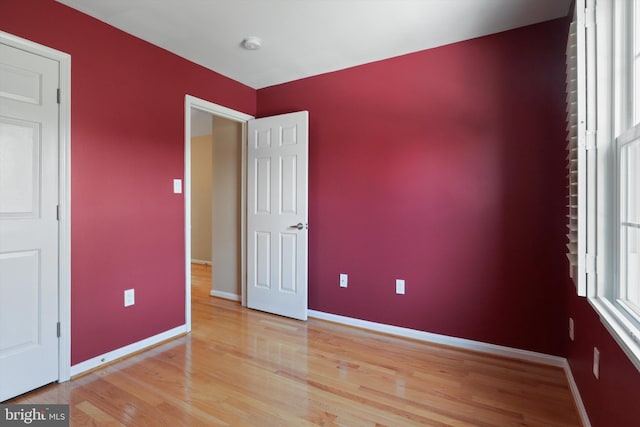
column 251, row 43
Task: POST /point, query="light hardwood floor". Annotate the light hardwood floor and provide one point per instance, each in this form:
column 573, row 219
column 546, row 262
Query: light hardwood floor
column 245, row 368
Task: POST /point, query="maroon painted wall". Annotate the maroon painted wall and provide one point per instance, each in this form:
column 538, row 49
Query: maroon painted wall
column 612, row 399
column 127, row 127
column 444, row 168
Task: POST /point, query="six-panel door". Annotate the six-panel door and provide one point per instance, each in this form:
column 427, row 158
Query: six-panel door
column 277, row 222
column 28, row 221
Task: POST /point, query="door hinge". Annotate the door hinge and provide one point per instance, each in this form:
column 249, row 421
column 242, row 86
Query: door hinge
column 58, row 95
column 58, row 212
column 590, row 264
column 58, row 329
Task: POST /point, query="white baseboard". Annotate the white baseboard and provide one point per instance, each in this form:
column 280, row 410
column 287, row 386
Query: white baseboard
column 582, row 411
column 465, row 344
column 225, row 295
column 498, row 350
column 200, row 261
column 126, row 350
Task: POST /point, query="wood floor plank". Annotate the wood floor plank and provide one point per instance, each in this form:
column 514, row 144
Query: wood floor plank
column 96, row 415
column 240, row 367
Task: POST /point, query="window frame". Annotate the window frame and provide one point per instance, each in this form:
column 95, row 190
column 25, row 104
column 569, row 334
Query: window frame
column 631, row 136
column 610, row 44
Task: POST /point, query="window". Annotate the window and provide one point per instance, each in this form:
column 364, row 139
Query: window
column 628, row 292
column 611, row 189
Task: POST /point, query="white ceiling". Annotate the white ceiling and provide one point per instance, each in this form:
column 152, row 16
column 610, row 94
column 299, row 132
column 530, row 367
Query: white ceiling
column 302, row 38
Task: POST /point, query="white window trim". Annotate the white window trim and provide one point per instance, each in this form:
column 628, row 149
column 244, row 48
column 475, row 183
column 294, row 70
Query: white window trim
column 613, row 117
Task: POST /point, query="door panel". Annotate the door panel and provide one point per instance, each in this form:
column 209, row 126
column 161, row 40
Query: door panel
column 20, row 84
column 24, row 267
column 288, row 184
column 263, row 260
column 288, row 262
column 19, row 168
column 28, row 221
column 263, row 186
column 277, row 202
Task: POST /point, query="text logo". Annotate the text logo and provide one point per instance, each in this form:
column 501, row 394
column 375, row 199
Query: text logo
column 34, row 415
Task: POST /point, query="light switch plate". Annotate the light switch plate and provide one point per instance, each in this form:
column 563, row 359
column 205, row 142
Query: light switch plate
column 177, row 186
column 400, row 286
column 129, row 297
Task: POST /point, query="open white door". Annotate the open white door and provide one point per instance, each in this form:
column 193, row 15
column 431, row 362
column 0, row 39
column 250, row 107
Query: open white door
column 277, row 214
column 28, row 221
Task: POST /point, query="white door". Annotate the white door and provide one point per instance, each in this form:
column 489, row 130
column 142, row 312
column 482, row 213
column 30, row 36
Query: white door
column 28, row 221
column 277, row 236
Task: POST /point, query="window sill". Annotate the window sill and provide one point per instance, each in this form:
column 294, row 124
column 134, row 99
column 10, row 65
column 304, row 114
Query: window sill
column 625, row 333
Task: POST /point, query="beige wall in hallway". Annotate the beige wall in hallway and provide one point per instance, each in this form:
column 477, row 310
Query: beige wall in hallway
column 227, row 215
column 201, row 200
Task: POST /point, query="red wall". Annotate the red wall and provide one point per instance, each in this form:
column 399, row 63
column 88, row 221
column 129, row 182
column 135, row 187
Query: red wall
column 127, row 146
column 444, row 168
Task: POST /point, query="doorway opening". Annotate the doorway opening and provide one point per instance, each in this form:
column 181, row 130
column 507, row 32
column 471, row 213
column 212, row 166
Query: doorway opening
column 215, row 195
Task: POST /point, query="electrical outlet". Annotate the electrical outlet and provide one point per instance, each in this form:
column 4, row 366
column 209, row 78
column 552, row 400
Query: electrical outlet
column 400, row 286
column 344, row 280
column 129, row 297
column 571, row 330
column 596, row 362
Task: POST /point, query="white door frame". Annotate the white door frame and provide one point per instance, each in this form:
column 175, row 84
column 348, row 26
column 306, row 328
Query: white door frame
column 64, row 193
column 237, row 116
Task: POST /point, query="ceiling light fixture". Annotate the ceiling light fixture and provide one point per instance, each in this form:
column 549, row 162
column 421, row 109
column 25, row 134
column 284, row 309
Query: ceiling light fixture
column 251, row 43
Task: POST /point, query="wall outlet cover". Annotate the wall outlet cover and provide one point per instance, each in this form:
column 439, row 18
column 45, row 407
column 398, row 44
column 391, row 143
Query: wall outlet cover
column 571, row 329
column 344, row 280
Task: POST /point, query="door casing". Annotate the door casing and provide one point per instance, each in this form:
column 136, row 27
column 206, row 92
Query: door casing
column 64, row 193
column 237, row 116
